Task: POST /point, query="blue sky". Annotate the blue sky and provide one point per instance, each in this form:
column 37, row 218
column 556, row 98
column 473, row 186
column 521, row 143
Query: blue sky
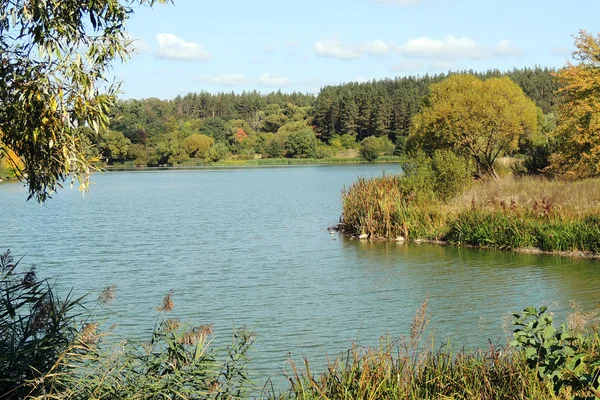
column 235, row 45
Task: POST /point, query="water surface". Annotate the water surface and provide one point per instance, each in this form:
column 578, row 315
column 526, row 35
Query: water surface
column 250, row 247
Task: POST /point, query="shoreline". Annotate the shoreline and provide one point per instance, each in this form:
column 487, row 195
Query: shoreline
column 268, row 162
column 523, row 250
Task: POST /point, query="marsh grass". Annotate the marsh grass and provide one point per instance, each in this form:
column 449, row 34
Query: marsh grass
column 511, row 213
column 410, row 368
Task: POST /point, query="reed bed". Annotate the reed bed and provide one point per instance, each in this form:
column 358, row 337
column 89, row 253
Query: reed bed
column 410, row 368
column 511, row 213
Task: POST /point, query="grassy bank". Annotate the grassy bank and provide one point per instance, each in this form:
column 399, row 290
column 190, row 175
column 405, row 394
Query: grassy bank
column 511, row 213
column 268, row 161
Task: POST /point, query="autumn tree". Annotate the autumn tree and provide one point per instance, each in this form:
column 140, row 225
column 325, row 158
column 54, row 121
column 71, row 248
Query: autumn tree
column 578, row 130
column 54, row 58
column 480, row 119
column 197, row 145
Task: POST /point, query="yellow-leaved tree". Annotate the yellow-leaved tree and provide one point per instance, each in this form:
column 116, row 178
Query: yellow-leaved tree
column 479, row 119
column 578, row 131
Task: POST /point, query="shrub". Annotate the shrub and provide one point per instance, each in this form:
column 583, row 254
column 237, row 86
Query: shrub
column 557, row 355
column 372, row 147
column 301, row 143
column 218, row 152
column 452, row 174
column 324, row 151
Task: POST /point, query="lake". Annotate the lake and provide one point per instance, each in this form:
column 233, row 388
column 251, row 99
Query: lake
column 250, row 247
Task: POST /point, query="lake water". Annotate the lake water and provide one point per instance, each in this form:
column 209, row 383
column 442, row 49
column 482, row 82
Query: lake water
column 250, row 247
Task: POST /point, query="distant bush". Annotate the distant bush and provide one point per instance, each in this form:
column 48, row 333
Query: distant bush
column 372, row 147
column 218, row 152
column 301, row 143
column 453, row 174
column 324, row 151
column 197, row 146
column 441, row 177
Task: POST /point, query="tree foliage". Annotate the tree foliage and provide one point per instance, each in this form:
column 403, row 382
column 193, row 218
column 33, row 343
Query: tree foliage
column 372, row 147
column 578, row 130
column 54, row 57
column 482, row 119
column 197, row 146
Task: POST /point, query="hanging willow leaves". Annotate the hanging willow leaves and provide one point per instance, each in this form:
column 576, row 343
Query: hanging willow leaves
column 54, row 60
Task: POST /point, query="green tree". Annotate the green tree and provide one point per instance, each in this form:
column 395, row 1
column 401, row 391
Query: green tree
column 578, row 130
column 216, row 128
column 301, row 144
column 197, row 146
column 482, row 119
column 372, row 147
column 53, row 54
column 113, row 146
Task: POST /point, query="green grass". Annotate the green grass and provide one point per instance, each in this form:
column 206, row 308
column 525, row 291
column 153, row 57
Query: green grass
column 553, row 216
column 267, row 161
column 412, row 369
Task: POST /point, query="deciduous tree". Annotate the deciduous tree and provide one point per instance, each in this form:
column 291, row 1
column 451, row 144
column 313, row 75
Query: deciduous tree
column 54, row 57
column 481, row 119
column 578, row 129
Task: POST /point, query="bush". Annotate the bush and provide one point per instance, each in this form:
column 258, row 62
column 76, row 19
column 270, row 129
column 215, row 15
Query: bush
column 452, row 174
column 348, row 141
column 218, row 152
column 372, row 147
column 442, row 177
column 177, row 363
column 301, row 144
column 324, row 151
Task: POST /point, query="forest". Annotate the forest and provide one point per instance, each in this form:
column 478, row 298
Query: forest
column 368, row 119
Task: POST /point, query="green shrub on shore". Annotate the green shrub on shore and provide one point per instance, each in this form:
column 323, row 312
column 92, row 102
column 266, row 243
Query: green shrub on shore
column 408, row 205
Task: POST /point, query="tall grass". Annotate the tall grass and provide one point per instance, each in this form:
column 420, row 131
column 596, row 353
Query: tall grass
column 410, row 368
column 510, row 213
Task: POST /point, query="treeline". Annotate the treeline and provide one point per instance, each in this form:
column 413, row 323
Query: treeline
column 204, row 127
column 386, row 107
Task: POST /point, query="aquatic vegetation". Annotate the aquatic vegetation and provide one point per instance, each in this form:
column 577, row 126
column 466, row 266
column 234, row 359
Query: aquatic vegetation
column 510, row 213
column 542, row 362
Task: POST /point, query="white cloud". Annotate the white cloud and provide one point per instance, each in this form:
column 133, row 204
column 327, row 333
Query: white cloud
column 224, row 80
column 442, row 65
column 406, row 66
column 453, row 48
column 273, row 80
column 174, row 48
column 140, row 46
column 333, row 48
column 401, row 3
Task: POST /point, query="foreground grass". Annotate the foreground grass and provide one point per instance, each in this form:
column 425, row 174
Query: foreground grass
column 541, row 363
column 512, row 213
column 49, row 354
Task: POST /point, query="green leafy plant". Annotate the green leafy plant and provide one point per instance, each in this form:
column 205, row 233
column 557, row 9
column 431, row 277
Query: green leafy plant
column 558, row 355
